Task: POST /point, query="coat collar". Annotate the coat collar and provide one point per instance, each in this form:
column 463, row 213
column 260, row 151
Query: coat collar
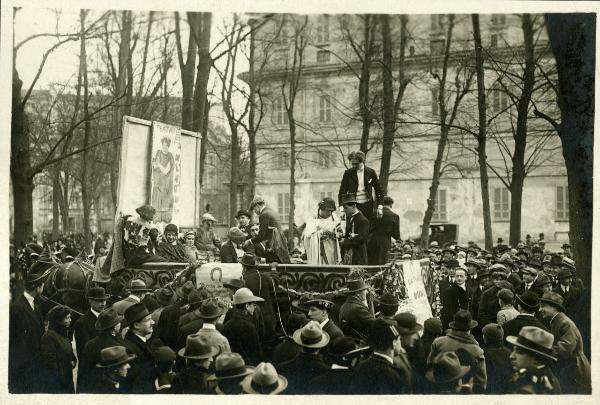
column 461, row 336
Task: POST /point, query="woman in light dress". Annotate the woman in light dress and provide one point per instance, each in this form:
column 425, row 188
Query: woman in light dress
column 321, row 235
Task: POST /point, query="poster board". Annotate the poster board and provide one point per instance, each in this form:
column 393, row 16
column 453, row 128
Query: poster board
column 416, row 302
column 140, row 139
column 212, row 276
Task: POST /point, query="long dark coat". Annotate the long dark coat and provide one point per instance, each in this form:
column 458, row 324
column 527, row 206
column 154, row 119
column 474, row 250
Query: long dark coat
column 349, row 184
column 261, row 285
column 243, row 338
column 359, row 225
column 334, row 381
column 355, row 318
column 25, row 334
column 498, row 367
column 300, row 370
column 228, row 253
column 382, row 230
column 455, row 299
column 191, row 380
column 268, row 220
column 142, row 373
column 488, row 306
column 286, row 350
column 570, row 298
column 57, row 364
column 85, row 331
column 87, row 372
column 167, row 326
column 377, row 376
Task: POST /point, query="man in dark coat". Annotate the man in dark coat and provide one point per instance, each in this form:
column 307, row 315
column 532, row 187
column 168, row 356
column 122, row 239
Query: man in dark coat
column 287, row 349
column 143, row 371
column 257, row 249
column 167, row 327
column 171, row 249
column 527, row 304
column 484, row 281
column 234, row 244
column 270, row 232
column 355, row 316
column 241, row 331
column 382, row 230
column 497, row 359
column 343, row 354
column 113, row 369
column 377, row 375
column 488, row 304
column 198, row 355
column 456, row 297
column 85, row 329
column 26, row 328
column 566, row 289
column 318, row 311
column 362, row 181
column 308, row 364
column 357, row 232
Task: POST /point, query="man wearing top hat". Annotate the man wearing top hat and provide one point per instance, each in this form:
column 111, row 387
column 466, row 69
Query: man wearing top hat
column 362, row 181
column 357, row 232
column 137, row 291
column 193, row 378
column 532, row 357
column 113, row 369
column 26, row 328
column 243, row 220
column 141, row 326
column 318, row 311
column 355, row 316
column 84, row 328
column 527, row 304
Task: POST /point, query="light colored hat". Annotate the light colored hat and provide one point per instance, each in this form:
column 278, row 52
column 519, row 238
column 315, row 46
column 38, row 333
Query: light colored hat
column 264, row 380
column 208, row 217
column 245, row 296
column 536, row 340
column 311, row 336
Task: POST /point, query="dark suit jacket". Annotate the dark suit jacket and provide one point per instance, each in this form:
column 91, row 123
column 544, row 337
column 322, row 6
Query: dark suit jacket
column 376, row 376
column 85, row 330
column 382, row 230
column 513, row 327
column 455, row 299
column 488, row 306
column 285, row 351
column 267, row 219
column 499, row 368
column 228, row 254
column 256, row 249
column 570, row 298
column 332, row 330
column 87, row 371
column 167, row 326
column 142, row 373
column 25, row 334
column 300, row 370
column 191, row 380
column 350, row 185
column 360, row 225
column 334, row 381
column 355, row 318
column 243, row 338
column 261, row 285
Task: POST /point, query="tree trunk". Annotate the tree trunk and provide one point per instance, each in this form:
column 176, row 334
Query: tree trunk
column 85, row 183
column 251, row 119
column 235, row 172
column 481, row 139
column 64, row 203
column 292, row 126
column 520, row 135
column 364, row 83
column 55, row 205
column 389, row 124
column 188, row 75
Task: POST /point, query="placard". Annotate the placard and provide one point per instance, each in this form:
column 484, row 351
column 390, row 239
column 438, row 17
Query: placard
column 212, row 276
column 416, row 302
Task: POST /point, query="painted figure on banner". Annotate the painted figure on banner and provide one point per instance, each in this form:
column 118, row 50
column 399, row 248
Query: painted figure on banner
column 165, row 170
column 321, row 235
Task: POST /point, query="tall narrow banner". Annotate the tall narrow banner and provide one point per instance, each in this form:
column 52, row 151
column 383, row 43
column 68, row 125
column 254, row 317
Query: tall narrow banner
column 416, row 302
column 165, row 172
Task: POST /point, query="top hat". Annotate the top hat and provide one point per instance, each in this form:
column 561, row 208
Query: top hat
column 108, row 319
column 311, row 335
column 356, row 285
column 234, row 284
column 463, row 320
column 235, row 234
column 171, row 228
column 138, row 285
column 406, row 323
column 319, row 303
column 388, row 299
column 446, row 368
column 164, row 355
column 555, row 299
column 197, row 347
column 264, row 380
column 146, row 211
column 248, row 260
column 349, row 198
column 184, row 290
column 164, row 296
column 114, row 356
column 135, row 313
column 564, row 273
column 242, row 213
column 245, row 296
column 210, row 309
column 535, row 340
column 327, row 203
column 98, row 294
column 529, row 300
column 230, row 365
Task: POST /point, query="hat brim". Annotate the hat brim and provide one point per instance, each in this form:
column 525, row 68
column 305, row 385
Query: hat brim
column 249, row 300
column 555, row 304
column 213, row 352
column 118, row 320
column 526, row 305
column 138, row 290
column 317, row 303
column 472, row 325
column 297, row 337
column 118, row 363
column 282, row 384
column 431, row 377
column 214, row 377
column 351, row 353
column 513, row 341
column 214, row 316
column 103, row 298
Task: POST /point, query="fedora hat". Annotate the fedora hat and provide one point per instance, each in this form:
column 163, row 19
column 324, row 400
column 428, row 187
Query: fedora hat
column 264, row 380
column 197, row 348
column 235, row 234
column 108, row 319
column 164, row 296
column 554, row 299
column 388, row 299
column 138, row 285
column 356, row 285
column 535, row 340
column 542, row 280
column 234, row 284
column 210, row 309
column 446, row 368
column 463, row 320
column 146, row 211
column 300, row 303
column 248, row 260
column 184, row 290
column 349, row 198
column 311, row 335
column 98, row 294
column 528, row 300
column 564, row 273
column 406, row 323
column 319, row 303
column 135, row 313
column 114, row 356
column 230, row 365
column 245, row 296
column 164, row 355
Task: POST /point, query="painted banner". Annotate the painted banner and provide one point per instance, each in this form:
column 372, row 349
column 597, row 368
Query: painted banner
column 416, row 302
column 212, row 275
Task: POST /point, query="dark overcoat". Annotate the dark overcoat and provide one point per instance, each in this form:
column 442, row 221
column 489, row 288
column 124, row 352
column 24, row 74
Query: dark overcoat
column 85, row 331
column 382, row 230
column 87, row 372
column 498, row 367
column 359, row 226
column 350, row 185
column 57, row 364
column 355, row 318
column 143, row 372
column 243, row 338
column 455, row 299
column 513, row 327
column 300, row 370
column 377, row 376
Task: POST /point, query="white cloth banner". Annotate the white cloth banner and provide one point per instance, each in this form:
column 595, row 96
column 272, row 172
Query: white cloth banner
column 212, row 276
column 416, row 302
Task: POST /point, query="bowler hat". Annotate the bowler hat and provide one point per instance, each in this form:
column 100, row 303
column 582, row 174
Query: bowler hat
column 406, row 323
column 98, row 294
column 138, row 285
column 235, row 234
column 555, row 299
column 114, row 356
column 135, row 313
column 245, row 296
column 327, row 203
column 210, row 309
column 171, row 228
column 242, row 213
column 446, row 368
column 146, row 211
column 356, row 285
column 535, row 340
column 234, row 284
column 108, row 319
column 564, row 273
column 264, row 380
column 529, row 300
column 164, row 355
column 197, row 347
column 319, row 303
column 349, row 198
column 248, row 260
column 463, row 320
column 164, row 296
column 230, row 365
column 388, row 299
column 311, row 335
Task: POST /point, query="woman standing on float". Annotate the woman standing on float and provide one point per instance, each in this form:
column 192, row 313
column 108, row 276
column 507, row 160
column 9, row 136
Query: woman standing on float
column 321, row 235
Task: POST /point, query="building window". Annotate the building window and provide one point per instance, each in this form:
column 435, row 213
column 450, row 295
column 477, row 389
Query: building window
column 499, row 99
column 411, row 50
column 210, row 176
column 494, row 41
column 434, row 102
column 562, row 203
column 436, row 46
column 437, row 22
column 440, row 212
column 501, row 204
column 324, row 194
column 281, row 117
column 498, row 19
column 324, row 109
column 323, row 31
column 283, row 206
column 283, row 160
column 323, row 56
